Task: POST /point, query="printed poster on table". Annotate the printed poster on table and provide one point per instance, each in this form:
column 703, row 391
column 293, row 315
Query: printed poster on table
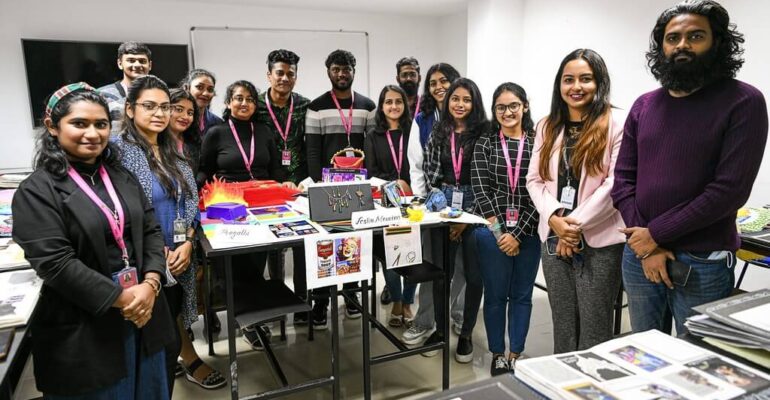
column 338, row 258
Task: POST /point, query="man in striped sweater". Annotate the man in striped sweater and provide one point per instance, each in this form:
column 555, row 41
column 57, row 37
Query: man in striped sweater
column 336, row 120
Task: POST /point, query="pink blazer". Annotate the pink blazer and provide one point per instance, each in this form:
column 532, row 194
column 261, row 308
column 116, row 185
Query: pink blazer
column 598, row 218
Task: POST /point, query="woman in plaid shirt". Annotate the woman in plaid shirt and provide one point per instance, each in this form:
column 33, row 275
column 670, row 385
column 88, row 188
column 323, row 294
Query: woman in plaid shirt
column 511, row 248
column 447, row 167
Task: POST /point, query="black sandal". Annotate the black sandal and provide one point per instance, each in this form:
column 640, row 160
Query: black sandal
column 213, row 380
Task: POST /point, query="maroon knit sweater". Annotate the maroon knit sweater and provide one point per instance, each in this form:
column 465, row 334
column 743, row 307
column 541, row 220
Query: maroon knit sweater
column 687, row 164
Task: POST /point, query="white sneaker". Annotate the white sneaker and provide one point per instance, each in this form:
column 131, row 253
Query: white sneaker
column 416, row 334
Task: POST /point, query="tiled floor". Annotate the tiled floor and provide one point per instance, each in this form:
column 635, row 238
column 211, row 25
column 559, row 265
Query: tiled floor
column 412, row 377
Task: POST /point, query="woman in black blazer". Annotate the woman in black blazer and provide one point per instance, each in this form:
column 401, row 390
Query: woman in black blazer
column 91, row 337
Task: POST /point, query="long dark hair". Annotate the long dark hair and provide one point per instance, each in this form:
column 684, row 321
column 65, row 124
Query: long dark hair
column 527, row 125
column 229, row 96
column 727, row 45
column 381, row 122
column 427, row 102
column 476, row 123
column 49, row 154
column 192, row 134
column 589, row 150
column 166, row 168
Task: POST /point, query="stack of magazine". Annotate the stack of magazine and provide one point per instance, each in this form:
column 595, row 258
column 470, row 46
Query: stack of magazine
column 742, row 320
column 646, row 365
column 19, row 292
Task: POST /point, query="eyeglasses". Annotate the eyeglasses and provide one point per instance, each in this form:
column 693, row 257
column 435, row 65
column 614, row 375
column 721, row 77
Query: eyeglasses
column 408, row 75
column 513, row 107
column 341, row 70
column 153, row 107
column 180, row 110
column 241, row 99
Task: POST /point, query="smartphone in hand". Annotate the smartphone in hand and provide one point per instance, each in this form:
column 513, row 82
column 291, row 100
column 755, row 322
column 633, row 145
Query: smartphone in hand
column 678, row 272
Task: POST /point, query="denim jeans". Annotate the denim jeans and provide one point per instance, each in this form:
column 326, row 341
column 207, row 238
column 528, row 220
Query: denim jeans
column 709, row 280
column 474, row 287
column 146, row 378
column 508, row 284
column 397, row 295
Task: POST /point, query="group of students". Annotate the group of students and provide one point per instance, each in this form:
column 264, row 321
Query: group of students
column 108, row 221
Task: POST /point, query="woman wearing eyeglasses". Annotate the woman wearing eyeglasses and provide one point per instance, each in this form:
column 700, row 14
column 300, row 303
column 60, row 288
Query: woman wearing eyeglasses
column 239, row 150
column 509, row 253
column 149, row 151
column 569, row 180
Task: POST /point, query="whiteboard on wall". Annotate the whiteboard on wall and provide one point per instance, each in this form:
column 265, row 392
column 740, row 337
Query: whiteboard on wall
column 241, row 53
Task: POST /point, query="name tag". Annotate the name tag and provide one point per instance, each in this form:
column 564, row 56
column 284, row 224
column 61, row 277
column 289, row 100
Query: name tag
column 286, row 157
column 568, row 197
column 180, row 231
column 126, row 277
column 511, row 217
column 457, row 199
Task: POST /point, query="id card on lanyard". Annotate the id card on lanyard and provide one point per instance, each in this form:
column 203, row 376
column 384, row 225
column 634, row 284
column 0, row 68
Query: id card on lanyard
column 128, row 276
column 247, row 161
column 346, row 123
column 567, row 199
column 285, row 153
column 397, row 162
column 512, row 213
column 180, row 225
column 457, row 166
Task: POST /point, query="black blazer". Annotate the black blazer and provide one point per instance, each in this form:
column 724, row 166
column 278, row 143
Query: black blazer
column 77, row 337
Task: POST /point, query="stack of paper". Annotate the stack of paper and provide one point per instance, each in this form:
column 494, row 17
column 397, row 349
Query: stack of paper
column 647, row 365
column 19, row 291
column 740, row 320
column 6, row 219
column 12, row 180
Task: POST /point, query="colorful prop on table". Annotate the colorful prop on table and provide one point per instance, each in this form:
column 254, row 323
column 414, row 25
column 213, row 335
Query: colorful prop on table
column 250, row 193
column 348, row 158
column 451, row 212
column 338, row 201
column 226, row 211
column 343, row 174
column 403, row 246
column 392, row 194
column 415, row 211
column 338, row 258
column 752, row 219
column 436, row 201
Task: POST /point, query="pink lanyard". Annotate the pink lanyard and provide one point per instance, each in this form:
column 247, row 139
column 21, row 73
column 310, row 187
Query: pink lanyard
column 417, row 109
column 115, row 218
column 250, row 160
column 284, row 133
column 513, row 177
column 201, row 122
column 397, row 162
column 457, row 165
column 346, row 123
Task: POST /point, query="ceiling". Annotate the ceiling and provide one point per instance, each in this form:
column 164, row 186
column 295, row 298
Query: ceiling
column 435, row 8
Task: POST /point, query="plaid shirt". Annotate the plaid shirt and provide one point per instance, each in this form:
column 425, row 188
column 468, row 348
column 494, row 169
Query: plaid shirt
column 489, row 174
column 433, row 162
column 297, row 171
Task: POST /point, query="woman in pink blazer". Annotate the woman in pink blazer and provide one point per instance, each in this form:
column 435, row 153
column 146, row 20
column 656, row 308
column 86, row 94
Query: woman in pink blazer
column 569, row 180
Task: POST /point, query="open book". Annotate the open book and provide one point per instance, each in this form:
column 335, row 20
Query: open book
column 644, row 366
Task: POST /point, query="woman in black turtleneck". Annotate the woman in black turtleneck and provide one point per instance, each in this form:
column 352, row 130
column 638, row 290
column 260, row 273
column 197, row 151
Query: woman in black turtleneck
column 221, row 154
column 237, row 160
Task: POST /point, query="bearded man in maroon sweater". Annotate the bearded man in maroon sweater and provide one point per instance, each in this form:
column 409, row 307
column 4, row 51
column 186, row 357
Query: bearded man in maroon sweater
column 690, row 153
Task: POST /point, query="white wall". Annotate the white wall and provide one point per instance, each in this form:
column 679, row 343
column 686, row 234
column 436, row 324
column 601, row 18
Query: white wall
column 453, row 42
column 166, row 21
column 544, row 31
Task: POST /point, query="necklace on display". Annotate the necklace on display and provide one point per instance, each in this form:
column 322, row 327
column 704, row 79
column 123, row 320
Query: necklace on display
column 338, row 200
column 574, row 131
column 360, row 195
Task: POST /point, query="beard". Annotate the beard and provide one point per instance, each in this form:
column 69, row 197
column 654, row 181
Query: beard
column 344, row 86
column 689, row 75
column 409, row 87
